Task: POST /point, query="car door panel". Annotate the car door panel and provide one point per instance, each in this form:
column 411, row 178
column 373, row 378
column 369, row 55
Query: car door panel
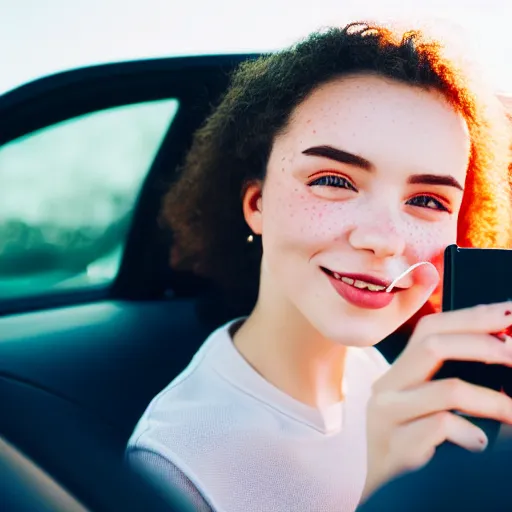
column 109, row 358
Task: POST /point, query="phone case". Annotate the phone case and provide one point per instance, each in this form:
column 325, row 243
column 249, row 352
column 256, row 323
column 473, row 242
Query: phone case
column 472, row 277
column 476, row 276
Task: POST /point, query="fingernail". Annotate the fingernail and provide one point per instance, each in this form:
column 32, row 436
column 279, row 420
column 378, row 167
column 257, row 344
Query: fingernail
column 481, row 442
column 508, row 312
column 503, row 333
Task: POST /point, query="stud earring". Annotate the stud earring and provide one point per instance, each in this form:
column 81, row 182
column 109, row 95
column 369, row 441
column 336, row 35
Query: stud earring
column 250, row 239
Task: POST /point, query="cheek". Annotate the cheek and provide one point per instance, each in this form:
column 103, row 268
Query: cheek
column 297, row 217
column 426, row 241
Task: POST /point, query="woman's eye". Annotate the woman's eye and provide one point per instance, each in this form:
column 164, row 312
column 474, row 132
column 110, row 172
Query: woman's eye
column 428, row 202
column 332, row 180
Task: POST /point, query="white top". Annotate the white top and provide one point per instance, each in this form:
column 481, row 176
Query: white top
column 236, row 443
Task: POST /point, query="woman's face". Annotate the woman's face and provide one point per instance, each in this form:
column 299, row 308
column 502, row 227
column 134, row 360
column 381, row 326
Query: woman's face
column 365, row 181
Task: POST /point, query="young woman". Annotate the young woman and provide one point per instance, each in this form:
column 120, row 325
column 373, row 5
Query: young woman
column 326, row 171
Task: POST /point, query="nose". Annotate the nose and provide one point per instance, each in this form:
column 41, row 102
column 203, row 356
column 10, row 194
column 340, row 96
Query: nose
column 382, row 239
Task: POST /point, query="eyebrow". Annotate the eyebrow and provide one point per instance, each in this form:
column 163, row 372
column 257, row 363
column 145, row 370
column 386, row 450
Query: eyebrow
column 339, row 155
column 344, row 157
column 434, row 179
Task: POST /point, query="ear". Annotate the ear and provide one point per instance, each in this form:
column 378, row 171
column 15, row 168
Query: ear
column 252, row 206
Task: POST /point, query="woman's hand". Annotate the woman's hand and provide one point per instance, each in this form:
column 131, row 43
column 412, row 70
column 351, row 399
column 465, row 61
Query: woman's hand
column 409, row 415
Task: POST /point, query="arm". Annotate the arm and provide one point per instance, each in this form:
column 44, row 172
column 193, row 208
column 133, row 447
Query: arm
column 167, row 479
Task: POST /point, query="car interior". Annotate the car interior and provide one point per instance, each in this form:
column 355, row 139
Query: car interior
column 79, row 364
column 79, row 367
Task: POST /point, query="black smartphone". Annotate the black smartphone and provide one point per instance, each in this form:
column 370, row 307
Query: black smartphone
column 472, row 277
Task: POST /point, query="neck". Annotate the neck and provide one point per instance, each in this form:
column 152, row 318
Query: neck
column 283, row 347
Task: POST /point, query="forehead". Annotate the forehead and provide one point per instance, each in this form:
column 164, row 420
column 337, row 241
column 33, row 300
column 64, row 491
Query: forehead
column 384, row 121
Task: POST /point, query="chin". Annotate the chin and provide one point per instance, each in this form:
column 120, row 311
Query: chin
column 357, row 333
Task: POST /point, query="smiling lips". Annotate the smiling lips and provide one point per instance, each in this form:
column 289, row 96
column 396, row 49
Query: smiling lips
column 362, row 290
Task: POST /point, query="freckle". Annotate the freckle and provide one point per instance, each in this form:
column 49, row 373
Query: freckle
column 282, row 170
column 314, row 131
column 308, row 121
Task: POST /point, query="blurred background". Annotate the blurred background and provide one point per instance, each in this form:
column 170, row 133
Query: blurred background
column 67, row 191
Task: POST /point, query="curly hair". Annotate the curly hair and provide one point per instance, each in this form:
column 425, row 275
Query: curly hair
column 204, row 207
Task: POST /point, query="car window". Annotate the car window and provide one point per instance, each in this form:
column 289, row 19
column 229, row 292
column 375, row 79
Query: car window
column 67, row 196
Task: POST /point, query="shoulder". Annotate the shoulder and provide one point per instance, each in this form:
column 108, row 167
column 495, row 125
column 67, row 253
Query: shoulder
column 191, row 429
column 195, row 406
column 167, row 479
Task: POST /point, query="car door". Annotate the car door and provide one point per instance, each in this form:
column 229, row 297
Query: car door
column 90, row 327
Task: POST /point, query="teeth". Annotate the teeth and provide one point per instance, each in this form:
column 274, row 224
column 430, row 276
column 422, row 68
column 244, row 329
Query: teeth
column 359, row 284
column 364, row 285
column 376, row 288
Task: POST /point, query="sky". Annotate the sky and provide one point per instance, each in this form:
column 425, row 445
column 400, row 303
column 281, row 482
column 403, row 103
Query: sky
column 39, row 37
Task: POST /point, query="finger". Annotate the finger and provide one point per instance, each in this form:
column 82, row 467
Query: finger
column 445, row 395
column 418, row 439
column 485, row 318
column 420, row 361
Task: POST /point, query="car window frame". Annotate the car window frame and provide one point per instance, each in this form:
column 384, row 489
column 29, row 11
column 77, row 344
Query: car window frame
column 195, row 82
